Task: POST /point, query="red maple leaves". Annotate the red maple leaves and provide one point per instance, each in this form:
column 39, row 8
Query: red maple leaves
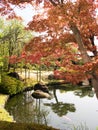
column 61, row 22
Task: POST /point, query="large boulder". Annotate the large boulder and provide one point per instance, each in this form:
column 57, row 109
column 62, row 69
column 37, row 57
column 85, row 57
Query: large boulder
column 40, row 94
column 41, row 86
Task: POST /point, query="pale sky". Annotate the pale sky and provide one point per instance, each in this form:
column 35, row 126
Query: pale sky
column 28, row 12
column 25, row 13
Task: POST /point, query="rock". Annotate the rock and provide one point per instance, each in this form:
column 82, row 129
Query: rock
column 15, row 75
column 51, row 76
column 41, row 86
column 40, row 94
column 85, row 82
column 28, row 88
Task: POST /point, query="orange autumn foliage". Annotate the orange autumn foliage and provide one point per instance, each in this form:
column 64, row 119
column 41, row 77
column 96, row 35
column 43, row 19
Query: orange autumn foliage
column 62, row 21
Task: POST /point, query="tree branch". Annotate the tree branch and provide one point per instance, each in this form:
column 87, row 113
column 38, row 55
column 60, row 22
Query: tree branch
column 53, row 3
column 62, row 1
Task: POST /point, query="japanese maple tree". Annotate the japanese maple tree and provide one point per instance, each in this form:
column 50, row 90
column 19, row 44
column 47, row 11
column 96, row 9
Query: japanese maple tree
column 63, row 17
column 67, row 21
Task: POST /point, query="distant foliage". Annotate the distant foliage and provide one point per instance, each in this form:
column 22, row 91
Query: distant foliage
column 10, row 85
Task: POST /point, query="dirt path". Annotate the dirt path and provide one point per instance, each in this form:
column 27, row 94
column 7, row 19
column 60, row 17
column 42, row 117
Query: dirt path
column 33, row 74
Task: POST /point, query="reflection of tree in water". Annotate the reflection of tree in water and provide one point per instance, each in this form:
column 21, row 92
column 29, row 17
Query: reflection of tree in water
column 60, row 108
column 18, row 107
column 84, row 92
column 25, row 109
column 40, row 114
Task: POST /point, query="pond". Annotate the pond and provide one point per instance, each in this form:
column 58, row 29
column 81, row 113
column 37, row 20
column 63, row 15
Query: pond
column 66, row 110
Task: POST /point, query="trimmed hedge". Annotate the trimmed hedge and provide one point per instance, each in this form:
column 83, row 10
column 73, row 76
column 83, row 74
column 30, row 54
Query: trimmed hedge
column 10, row 85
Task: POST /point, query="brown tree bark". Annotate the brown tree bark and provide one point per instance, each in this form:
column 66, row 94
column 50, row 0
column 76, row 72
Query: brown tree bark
column 78, row 38
column 85, row 57
column 94, row 83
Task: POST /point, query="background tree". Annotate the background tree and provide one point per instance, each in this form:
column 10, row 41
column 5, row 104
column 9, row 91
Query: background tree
column 13, row 38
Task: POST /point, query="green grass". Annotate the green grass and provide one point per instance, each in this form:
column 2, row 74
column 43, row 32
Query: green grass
column 3, row 99
column 4, row 115
column 82, row 126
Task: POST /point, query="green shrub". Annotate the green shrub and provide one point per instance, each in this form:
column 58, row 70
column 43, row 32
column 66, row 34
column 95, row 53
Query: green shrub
column 10, row 85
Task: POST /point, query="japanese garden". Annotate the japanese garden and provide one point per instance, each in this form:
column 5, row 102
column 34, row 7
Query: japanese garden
column 49, row 65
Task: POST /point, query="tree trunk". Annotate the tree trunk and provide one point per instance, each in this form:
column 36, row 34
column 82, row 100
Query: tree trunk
column 94, row 82
column 85, row 57
column 82, row 48
column 92, row 42
column 9, row 66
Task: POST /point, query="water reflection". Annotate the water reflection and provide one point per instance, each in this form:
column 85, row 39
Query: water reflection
column 60, row 108
column 65, row 103
column 40, row 115
column 25, row 109
column 83, row 93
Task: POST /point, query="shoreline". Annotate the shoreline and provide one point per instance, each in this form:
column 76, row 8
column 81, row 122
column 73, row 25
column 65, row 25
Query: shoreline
column 4, row 114
column 3, row 100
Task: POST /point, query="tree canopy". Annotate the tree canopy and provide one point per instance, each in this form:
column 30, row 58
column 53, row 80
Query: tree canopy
column 13, row 37
column 67, row 22
column 63, row 25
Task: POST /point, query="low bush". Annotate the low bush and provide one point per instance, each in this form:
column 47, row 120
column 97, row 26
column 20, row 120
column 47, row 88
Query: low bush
column 10, row 85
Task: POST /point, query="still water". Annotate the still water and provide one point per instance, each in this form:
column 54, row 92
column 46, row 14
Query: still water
column 66, row 109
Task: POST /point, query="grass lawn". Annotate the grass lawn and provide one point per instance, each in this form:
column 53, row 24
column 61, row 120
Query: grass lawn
column 4, row 115
column 3, row 99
